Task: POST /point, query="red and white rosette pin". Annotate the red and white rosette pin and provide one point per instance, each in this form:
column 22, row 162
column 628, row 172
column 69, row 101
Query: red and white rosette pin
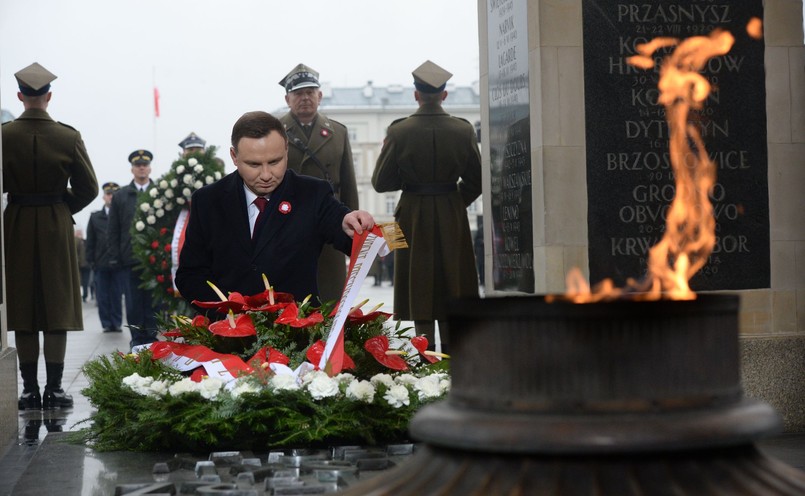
column 285, row 207
column 325, row 133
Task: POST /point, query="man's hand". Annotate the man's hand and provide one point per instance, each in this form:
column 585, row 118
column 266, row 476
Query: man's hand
column 356, row 221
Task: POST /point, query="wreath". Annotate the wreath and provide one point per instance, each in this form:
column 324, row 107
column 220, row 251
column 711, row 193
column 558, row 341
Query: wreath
column 153, row 234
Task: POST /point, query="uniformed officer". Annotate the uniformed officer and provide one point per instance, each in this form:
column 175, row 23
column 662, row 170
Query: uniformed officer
column 107, row 288
column 40, row 157
column 191, row 144
column 434, row 159
column 319, row 147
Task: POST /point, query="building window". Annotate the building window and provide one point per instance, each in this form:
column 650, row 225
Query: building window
column 391, row 202
column 473, row 208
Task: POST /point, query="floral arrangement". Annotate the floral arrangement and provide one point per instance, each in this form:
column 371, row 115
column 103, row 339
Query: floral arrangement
column 275, row 395
column 155, row 220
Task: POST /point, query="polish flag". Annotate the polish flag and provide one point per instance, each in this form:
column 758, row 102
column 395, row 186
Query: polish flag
column 156, row 102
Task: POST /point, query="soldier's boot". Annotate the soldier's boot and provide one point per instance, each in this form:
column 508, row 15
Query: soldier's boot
column 30, row 398
column 54, row 396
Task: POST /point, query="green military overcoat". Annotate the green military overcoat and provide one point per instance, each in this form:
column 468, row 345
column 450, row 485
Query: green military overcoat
column 329, row 142
column 40, row 157
column 431, row 148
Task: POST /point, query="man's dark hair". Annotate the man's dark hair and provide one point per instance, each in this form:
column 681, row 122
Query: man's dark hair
column 256, row 124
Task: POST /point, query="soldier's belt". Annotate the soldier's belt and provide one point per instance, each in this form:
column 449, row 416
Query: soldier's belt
column 34, row 200
column 430, row 188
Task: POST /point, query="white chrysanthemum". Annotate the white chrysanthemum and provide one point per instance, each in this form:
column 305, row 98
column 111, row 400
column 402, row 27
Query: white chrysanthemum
column 138, row 383
column 163, row 184
column 139, row 225
column 187, row 193
column 187, row 179
column 158, row 203
column 217, row 175
column 180, row 169
column 193, row 161
column 428, row 387
column 160, row 213
column 198, row 184
column 382, row 379
column 243, row 387
column 151, row 220
column 361, row 391
column 180, row 200
column 309, row 376
column 186, row 385
column 322, row 387
column 210, row 387
column 209, row 180
column 405, row 379
column 444, row 384
column 344, row 378
column 158, row 389
column 174, row 182
column 168, row 193
column 145, row 206
column 397, row 396
column 283, row 382
column 169, row 207
column 153, row 192
column 197, row 168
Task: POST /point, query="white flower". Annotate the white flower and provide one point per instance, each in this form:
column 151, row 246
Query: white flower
column 186, row 385
column 397, row 396
column 217, row 175
column 405, row 379
column 361, row 391
column 444, row 384
column 163, row 184
column 283, row 382
column 344, row 378
column 198, row 167
column 187, row 193
column 153, row 192
column 139, row 225
column 158, row 389
column 210, row 387
column 323, row 387
column 151, row 220
column 242, row 387
column 168, row 193
column 187, row 179
column 193, row 161
column 209, row 180
column 158, row 203
column 428, row 387
column 138, row 383
column 198, row 184
column 180, row 200
column 307, row 377
column 180, row 169
column 160, row 213
column 174, row 182
column 169, row 207
column 382, row 379
column 145, row 206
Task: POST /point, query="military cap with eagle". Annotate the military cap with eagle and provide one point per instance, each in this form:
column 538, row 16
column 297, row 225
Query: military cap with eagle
column 192, row 141
column 34, row 80
column 140, row 157
column 300, row 77
column 110, row 187
column 430, row 78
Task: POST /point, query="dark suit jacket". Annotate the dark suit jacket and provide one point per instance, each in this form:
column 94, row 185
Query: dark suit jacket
column 218, row 245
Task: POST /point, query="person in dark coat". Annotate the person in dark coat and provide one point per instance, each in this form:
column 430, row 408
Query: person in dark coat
column 228, row 243
column 434, row 159
column 84, row 269
column 140, row 311
column 108, row 292
column 40, row 157
column 319, row 147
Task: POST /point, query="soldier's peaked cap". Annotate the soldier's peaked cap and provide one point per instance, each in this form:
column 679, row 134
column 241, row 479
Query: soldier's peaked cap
column 140, row 157
column 34, row 80
column 192, row 141
column 110, row 187
column 300, row 77
column 430, row 78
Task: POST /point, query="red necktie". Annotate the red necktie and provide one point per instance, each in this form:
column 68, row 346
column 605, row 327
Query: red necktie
column 260, row 202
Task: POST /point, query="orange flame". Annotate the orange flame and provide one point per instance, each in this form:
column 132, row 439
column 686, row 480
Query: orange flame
column 690, row 226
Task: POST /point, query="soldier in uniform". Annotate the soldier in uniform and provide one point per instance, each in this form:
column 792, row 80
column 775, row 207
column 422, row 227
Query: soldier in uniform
column 434, row 159
column 319, row 147
column 40, row 157
column 107, row 288
column 191, row 144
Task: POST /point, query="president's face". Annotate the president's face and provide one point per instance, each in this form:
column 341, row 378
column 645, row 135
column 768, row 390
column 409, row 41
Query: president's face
column 261, row 162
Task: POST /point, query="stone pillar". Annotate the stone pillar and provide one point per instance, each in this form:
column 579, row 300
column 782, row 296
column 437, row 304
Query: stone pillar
column 543, row 235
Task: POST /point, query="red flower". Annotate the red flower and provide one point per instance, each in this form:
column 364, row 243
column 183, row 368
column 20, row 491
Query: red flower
column 260, row 302
column 169, row 290
column 234, row 302
column 316, row 350
column 234, row 328
column 421, row 345
column 155, row 244
column 168, row 248
column 152, row 259
column 160, row 278
column 357, row 317
column 267, row 355
column 378, row 346
column 164, row 264
column 163, row 231
column 290, row 316
column 200, row 321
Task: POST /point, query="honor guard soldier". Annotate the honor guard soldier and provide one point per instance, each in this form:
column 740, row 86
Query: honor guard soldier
column 40, row 158
column 434, row 159
column 191, row 144
column 108, row 291
column 319, row 147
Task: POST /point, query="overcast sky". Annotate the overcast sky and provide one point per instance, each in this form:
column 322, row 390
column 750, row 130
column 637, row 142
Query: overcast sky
column 213, row 60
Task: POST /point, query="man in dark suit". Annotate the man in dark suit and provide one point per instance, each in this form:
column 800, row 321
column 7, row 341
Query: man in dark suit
column 49, row 177
column 262, row 219
column 107, row 289
column 434, row 159
column 140, row 311
column 319, row 147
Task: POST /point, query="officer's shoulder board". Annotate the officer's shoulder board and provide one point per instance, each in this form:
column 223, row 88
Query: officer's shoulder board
column 331, row 123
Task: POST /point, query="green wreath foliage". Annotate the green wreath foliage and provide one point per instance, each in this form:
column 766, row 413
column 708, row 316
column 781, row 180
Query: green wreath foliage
column 155, row 219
